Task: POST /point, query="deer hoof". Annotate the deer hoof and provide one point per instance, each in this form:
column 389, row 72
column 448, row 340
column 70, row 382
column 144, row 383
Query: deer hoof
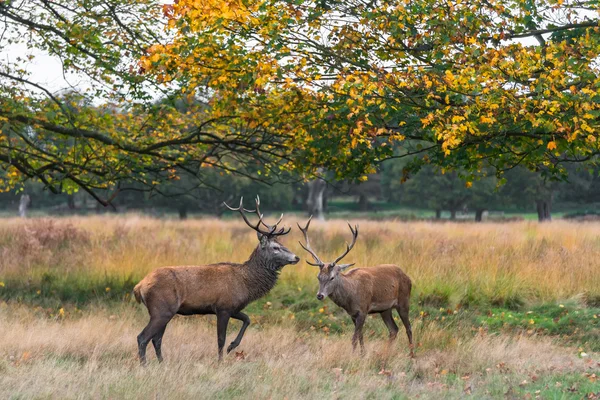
column 232, row 346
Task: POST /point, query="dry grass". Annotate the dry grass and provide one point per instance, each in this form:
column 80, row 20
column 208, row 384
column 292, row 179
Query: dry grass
column 91, row 353
column 461, row 263
column 94, row 357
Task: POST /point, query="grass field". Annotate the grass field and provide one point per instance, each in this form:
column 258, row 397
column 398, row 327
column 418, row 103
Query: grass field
column 498, row 310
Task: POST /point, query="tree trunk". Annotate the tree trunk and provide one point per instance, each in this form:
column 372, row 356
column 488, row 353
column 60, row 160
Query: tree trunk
column 183, row 212
column 544, row 210
column 479, row 214
column 548, row 209
column 315, row 200
column 452, row 214
column 24, row 205
column 71, row 201
column 363, row 202
column 438, row 214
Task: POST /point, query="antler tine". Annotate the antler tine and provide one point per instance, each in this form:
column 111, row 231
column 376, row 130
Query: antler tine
column 318, row 262
column 348, row 246
column 257, row 201
column 282, row 231
column 242, row 211
column 272, row 228
column 279, row 220
column 276, row 223
column 231, row 208
column 239, row 208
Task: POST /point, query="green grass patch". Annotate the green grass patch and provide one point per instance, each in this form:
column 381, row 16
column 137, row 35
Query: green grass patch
column 573, row 323
column 52, row 290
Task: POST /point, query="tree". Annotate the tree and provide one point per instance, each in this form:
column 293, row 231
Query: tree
column 484, row 196
column 109, row 135
column 466, row 83
column 297, row 86
column 438, row 190
column 526, row 187
column 186, row 195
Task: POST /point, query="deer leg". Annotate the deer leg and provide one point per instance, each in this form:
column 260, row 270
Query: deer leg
column 403, row 312
column 156, row 325
column 359, row 321
column 354, row 337
column 245, row 322
column 157, row 343
column 388, row 319
column 222, row 322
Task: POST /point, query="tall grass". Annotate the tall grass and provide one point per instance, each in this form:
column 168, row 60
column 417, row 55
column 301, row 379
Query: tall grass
column 58, row 349
column 95, row 357
column 500, row 264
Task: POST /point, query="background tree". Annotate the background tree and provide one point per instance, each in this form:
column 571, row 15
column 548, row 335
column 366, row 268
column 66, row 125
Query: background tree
column 526, row 187
column 275, row 86
column 496, row 82
column 438, row 190
column 108, row 135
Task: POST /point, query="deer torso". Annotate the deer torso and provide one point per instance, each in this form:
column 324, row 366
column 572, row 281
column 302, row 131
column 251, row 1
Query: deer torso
column 369, row 290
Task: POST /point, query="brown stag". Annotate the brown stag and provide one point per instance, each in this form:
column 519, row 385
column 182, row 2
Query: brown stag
column 363, row 291
column 223, row 289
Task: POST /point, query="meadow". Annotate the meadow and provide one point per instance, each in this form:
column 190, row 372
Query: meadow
column 498, row 310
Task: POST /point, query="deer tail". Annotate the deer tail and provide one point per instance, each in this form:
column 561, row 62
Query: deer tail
column 138, row 294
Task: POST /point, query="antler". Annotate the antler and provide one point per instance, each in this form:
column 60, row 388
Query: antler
column 318, row 262
column 348, row 246
column 272, row 228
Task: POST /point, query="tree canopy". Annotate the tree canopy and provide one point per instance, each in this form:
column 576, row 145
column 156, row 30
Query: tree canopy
column 109, row 129
column 283, row 85
column 465, row 83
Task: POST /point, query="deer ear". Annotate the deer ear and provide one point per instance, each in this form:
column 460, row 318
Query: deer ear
column 343, row 267
column 263, row 239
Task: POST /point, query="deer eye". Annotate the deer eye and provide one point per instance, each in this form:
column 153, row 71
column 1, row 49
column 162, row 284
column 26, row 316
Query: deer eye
column 332, row 278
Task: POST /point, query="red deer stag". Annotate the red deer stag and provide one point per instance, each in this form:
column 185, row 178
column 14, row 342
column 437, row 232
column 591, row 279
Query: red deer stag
column 364, row 291
column 223, row 289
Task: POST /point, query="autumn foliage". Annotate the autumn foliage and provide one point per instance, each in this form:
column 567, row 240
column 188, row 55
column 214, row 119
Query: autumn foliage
column 275, row 86
column 465, row 83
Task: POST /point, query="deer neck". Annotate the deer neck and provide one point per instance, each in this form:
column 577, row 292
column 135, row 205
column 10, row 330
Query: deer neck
column 261, row 275
column 341, row 293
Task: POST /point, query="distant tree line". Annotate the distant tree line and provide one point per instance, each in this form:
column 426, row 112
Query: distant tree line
column 523, row 191
column 519, row 190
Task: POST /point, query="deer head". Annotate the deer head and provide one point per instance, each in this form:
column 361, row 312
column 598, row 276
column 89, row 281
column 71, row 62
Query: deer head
column 328, row 272
column 270, row 251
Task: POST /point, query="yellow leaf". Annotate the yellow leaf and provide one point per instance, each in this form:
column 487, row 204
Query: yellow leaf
column 551, row 145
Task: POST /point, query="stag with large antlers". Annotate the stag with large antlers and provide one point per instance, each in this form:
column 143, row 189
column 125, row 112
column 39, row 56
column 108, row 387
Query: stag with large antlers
column 362, row 291
column 223, row 289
